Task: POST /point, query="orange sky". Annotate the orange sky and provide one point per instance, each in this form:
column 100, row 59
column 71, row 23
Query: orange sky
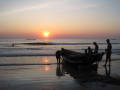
column 64, row 18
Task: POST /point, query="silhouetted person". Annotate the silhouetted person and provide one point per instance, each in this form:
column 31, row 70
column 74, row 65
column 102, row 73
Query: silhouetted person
column 13, row 44
column 89, row 51
column 58, row 56
column 62, row 49
column 86, row 51
column 96, row 51
column 108, row 52
column 96, row 47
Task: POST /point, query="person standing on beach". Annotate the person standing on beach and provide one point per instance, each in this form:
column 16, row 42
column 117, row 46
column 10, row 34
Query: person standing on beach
column 96, row 48
column 108, row 52
column 58, row 56
column 96, row 51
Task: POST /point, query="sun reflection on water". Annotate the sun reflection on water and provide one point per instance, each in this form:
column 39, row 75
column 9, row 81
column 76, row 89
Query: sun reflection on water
column 47, row 68
column 45, row 60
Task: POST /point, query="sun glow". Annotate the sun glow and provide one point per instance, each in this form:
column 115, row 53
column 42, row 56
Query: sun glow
column 46, row 34
column 46, row 61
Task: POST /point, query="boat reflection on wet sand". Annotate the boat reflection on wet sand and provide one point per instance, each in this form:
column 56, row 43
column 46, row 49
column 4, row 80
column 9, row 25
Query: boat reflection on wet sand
column 84, row 74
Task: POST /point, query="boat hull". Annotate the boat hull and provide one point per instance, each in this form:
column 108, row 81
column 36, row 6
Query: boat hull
column 80, row 58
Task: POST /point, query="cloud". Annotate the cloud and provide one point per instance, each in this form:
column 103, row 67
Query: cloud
column 90, row 6
column 40, row 6
column 64, row 4
column 46, row 4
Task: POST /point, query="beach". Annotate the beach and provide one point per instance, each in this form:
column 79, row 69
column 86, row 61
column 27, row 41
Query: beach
column 59, row 44
column 43, row 77
column 25, row 67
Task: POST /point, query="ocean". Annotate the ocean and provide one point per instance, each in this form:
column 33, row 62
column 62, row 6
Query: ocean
column 48, row 47
column 30, row 64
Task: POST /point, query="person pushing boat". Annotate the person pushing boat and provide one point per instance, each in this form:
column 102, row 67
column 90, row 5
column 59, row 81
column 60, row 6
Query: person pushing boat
column 89, row 51
column 58, row 56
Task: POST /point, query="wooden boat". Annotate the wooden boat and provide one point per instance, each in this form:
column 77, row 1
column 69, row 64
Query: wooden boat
column 80, row 58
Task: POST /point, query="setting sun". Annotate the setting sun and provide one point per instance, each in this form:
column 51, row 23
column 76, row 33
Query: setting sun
column 46, row 34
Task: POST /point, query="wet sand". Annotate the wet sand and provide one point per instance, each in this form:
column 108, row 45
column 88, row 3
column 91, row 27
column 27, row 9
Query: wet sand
column 49, row 77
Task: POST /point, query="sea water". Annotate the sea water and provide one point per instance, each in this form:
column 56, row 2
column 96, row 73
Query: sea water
column 30, row 64
column 19, row 48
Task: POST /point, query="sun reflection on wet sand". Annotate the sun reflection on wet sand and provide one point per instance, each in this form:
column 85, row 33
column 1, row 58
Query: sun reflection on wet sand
column 47, row 68
column 45, row 60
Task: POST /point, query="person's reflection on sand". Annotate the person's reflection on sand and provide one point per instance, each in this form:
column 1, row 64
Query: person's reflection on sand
column 81, row 74
column 108, row 71
column 110, row 79
column 87, row 74
column 59, row 70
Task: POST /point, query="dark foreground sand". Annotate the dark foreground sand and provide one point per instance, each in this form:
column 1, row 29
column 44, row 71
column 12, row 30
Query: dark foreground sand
column 52, row 77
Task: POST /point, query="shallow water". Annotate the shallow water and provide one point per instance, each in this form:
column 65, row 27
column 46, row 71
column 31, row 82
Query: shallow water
column 53, row 76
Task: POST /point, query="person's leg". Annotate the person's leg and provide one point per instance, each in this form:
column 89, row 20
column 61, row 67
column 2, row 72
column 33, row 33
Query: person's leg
column 57, row 60
column 61, row 59
column 109, row 59
column 56, row 57
column 106, row 59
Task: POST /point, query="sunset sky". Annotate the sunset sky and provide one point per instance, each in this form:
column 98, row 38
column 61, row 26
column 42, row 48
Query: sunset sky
column 62, row 18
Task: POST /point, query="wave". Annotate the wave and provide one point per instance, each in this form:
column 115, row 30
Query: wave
column 26, row 64
column 42, row 54
column 24, row 55
column 52, row 43
column 21, row 48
